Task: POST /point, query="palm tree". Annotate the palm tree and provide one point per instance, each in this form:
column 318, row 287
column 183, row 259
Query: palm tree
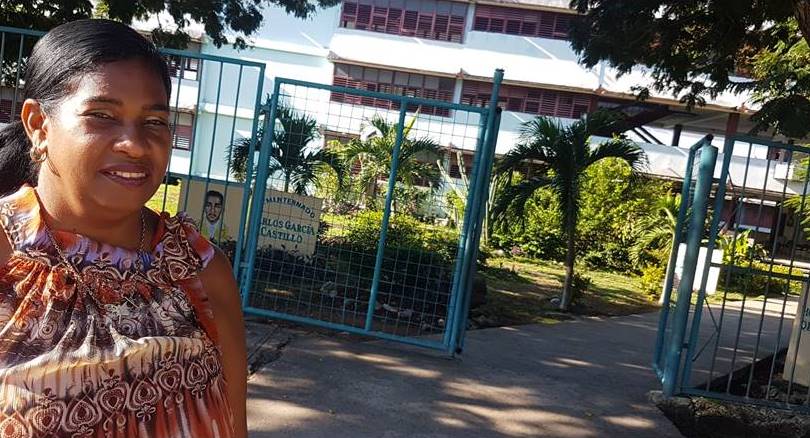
column 656, row 230
column 457, row 196
column 374, row 153
column 299, row 164
column 563, row 154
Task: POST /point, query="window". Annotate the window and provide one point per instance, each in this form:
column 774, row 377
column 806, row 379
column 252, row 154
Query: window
column 524, row 22
column 5, row 111
column 182, row 127
column 430, row 19
column 466, row 160
column 189, row 67
column 393, row 82
column 528, row 100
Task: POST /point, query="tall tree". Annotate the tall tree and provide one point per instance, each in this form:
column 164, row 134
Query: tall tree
column 298, row 163
column 375, row 155
column 697, row 49
column 563, row 154
column 240, row 17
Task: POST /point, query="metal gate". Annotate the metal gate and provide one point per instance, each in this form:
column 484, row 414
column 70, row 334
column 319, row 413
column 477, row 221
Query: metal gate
column 733, row 315
column 368, row 210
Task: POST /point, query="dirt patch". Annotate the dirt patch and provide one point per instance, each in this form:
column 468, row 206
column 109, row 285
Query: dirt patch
column 703, row 418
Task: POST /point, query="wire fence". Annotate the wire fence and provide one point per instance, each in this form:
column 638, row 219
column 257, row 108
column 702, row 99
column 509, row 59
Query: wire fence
column 366, row 211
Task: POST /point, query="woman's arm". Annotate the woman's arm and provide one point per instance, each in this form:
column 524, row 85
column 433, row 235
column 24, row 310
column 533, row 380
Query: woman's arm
column 223, row 296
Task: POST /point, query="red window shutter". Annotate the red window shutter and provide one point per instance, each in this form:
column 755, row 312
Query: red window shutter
column 5, row 111
column 409, row 23
column 424, row 25
column 528, row 28
column 513, row 27
column 349, row 16
column 496, row 25
column 455, row 171
column 562, row 26
column 481, row 23
column 394, row 21
column 565, row 106
column 456, row 29
column 378, row 19
column 548, row 103
column 581, row 106
column 440, row 27
column 392, row 82
column 546, row 27
column 517, row 21
column 514, row 104
column 350, row 9
column 433, row 19
column 363, row 16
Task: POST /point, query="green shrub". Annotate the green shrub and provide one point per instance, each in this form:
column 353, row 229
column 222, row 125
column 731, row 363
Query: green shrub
column 652, row 280
column 612, row 201
column 362, row 233
column 762, row 277
column 612, row 256
column 581, row 283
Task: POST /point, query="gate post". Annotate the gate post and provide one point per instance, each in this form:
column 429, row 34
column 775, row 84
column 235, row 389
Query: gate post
column 673, row 254
column 256, row 207
column 472, row 220
column 708, row 159
column 486, row 174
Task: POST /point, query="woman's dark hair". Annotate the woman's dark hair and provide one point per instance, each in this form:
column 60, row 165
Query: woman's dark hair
column 61, row 57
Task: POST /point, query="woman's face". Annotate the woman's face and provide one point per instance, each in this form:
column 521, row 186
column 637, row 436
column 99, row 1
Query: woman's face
column 108, row 142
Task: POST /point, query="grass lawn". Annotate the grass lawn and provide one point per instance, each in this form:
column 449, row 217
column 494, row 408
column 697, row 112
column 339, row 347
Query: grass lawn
column 520, row 292
column 172, row 197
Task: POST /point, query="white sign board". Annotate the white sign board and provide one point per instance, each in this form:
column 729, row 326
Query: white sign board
column 714, row 272
column 799, row 339
column 290, row 222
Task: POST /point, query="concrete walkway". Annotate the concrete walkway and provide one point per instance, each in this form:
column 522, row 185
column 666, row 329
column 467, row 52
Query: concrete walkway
column 585, row 378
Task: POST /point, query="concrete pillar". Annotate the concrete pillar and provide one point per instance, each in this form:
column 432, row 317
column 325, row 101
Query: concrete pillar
column 676, row 135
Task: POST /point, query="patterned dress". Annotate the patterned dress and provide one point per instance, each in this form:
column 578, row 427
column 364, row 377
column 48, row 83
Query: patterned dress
column 135, row 357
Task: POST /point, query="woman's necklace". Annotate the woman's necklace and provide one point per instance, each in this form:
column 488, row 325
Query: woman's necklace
column 80, row 282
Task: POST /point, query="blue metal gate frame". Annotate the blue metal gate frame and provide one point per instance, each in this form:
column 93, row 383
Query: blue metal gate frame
column 677, row 345
column 453, row 337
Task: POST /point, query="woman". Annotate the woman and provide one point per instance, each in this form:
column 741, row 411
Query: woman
column 111, row 315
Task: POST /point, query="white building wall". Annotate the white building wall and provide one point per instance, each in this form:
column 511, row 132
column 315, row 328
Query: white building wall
column 307, row 49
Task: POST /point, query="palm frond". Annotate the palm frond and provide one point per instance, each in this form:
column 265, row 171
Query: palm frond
column 623, row 149
column 511, row 199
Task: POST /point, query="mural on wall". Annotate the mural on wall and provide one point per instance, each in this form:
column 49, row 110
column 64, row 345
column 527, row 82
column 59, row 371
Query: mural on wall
column 216, row 210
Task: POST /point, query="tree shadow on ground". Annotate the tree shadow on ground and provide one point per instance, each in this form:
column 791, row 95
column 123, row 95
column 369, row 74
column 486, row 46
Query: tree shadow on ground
column 580, row 380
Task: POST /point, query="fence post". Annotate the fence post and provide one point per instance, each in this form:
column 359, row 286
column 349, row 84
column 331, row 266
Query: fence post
column 449, row 338
column 708, row 159
column 256, row 209
column 389, row 197
column 463, row 285
column 486, row 174
column 719, row 201
column 241, row 244
column 673, row 254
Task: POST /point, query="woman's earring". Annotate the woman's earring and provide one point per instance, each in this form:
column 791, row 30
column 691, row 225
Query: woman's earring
column 38, row 154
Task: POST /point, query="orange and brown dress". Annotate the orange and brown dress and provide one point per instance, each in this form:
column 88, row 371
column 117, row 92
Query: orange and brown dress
column 136, row 356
